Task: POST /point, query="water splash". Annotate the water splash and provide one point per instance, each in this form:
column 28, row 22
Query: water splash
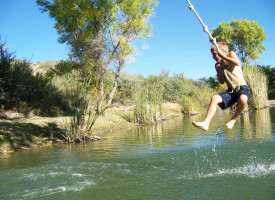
column 251, row 171
column 47, row 190
column 63, row 178
column 214, row 148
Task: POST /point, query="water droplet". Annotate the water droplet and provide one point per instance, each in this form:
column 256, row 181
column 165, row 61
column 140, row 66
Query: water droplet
column 214, row 148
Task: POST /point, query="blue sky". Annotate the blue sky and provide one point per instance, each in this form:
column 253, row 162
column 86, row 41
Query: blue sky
column 178, row 45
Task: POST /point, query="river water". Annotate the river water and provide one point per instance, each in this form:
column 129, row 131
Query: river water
column 170, row 160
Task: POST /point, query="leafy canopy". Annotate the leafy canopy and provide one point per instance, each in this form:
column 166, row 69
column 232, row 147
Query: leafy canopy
column 100, row 27
column 242, row 36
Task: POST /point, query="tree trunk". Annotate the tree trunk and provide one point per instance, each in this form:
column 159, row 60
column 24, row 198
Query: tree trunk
column 112, row 93
column 101, row 93
column 101, row 66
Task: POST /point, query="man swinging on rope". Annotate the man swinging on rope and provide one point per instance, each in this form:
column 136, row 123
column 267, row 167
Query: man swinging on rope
column 229, row 71
column 226, row 62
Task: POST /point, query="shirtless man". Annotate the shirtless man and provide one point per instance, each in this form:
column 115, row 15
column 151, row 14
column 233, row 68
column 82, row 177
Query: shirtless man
column 229, row 61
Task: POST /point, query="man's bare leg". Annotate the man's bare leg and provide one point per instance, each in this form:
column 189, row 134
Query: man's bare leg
column 204, row 125
column 240, row 108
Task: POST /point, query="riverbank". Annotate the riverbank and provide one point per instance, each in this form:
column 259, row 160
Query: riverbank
column 31, row 132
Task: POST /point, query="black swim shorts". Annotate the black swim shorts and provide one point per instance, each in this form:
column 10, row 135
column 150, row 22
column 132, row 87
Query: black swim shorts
column 230, row 98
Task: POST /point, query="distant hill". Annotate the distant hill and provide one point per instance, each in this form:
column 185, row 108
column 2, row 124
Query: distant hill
column 42, row 67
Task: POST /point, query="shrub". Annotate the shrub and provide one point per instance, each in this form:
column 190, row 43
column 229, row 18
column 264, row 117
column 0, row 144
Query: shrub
column 189, row 105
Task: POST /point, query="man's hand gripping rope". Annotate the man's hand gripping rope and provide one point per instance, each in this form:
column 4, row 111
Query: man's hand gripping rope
column 213, row 40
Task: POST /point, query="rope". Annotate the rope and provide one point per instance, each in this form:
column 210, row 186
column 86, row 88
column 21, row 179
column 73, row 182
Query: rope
column 213, row 40
column 205, row 28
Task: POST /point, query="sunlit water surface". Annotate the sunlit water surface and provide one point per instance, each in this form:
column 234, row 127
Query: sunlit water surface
column 171, row 160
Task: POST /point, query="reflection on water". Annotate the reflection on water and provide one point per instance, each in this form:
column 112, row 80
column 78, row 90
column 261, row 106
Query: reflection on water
column 247, row 126
column 262, row 124
column 257, row 125
column 169, row 160
column 250, row 125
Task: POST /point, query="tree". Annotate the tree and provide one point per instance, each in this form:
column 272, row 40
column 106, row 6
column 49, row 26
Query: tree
column 211, row 81
column 20, row 88
column 242, row 36
column 270, row 74
column 100, row 33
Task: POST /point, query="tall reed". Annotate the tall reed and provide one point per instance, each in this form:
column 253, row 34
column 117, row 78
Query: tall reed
column 147, row 104
column 83, row 114
column 257, row 81
column 140, row 100
column 156, row 102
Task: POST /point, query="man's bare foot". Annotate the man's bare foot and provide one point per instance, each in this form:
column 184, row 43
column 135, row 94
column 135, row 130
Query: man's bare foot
column 230, row 124
column 201, row 125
